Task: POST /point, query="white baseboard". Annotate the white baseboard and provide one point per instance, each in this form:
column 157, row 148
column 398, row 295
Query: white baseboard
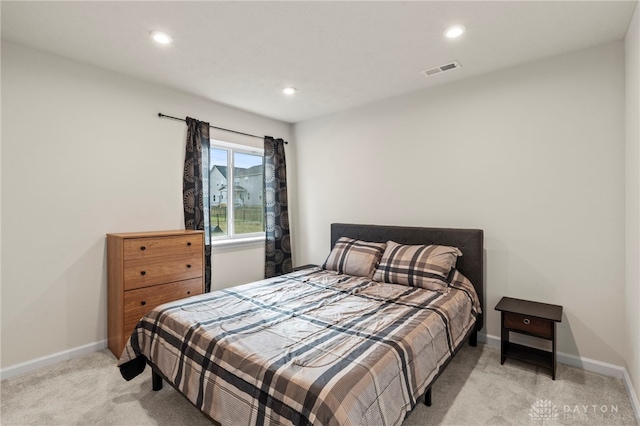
column 586, row 364
column 632, row 393
column 45, row 361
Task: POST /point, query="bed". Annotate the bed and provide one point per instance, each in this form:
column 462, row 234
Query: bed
column 321, row 346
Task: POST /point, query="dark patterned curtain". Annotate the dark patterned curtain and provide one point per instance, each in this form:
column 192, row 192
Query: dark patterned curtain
column 195, row 187
column 278, row 240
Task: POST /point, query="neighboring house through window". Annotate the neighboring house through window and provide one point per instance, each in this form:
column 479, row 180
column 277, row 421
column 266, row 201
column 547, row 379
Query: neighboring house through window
column 236, row 186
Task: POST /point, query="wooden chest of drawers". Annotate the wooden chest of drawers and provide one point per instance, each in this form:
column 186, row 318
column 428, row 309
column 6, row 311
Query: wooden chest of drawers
column 147, row 269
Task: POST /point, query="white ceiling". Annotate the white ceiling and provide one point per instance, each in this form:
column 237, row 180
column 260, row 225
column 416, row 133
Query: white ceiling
column 338, row 54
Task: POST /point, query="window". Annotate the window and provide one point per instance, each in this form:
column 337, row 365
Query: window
column 235, row 191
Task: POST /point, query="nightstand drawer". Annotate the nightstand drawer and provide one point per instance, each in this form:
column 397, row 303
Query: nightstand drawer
column 536, row 326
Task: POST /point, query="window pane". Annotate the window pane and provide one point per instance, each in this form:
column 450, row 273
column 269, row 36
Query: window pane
column 247, row 193
column 218, row 192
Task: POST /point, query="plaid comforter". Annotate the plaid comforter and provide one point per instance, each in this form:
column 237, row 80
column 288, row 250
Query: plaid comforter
column 310, row 347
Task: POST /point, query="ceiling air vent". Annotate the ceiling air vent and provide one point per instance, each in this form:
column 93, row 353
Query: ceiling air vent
column 442, row 68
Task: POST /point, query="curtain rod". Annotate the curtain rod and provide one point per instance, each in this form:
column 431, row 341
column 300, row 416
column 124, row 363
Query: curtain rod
column 214, row 127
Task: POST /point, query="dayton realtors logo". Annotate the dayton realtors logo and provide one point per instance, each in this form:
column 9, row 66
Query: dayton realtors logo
column 595, row 412
column 544, row 411
column 547, row 412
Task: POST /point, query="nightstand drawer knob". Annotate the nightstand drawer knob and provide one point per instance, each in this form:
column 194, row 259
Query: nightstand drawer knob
column 526, row 321
column 143, row 303
column 188, row 292
column 143, row 248
column 143, row 273
column 189, row 244
column 188, row 266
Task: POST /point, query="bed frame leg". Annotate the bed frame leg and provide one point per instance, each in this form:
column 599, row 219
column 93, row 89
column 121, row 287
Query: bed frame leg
column 473, row 338
column 427, row 398
column 156, row 381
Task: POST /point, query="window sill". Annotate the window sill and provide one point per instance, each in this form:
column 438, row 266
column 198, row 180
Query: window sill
column 237, row 242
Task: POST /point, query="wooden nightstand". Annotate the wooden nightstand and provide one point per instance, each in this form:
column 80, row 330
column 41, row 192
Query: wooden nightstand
column 533, row 319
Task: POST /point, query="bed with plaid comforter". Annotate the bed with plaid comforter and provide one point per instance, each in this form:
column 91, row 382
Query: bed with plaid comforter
column 310, row 347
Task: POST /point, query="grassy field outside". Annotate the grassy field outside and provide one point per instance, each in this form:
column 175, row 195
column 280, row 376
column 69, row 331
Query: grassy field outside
column 247, row 220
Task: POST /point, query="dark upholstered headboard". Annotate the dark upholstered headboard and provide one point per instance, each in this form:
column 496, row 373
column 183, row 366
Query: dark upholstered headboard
column 469, row 241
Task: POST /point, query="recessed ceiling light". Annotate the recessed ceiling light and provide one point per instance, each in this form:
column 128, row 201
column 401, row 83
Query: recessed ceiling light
column 454, row 32
column 160, row 37
column 289, row 90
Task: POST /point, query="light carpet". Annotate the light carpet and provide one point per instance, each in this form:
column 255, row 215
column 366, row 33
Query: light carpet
column 474, row 390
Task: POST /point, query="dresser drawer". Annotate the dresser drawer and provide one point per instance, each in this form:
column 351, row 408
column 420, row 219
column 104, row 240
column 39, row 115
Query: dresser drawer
column 536, row 326
column 145, row 248
column 159, row 270
column 140, row 301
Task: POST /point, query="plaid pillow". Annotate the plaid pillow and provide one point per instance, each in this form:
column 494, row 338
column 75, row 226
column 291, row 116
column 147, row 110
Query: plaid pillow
column 354, row 257
column 417, row 266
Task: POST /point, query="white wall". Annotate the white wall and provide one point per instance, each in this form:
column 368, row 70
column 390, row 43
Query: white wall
column 534, row 155
column 84, row 154
column 236, row 265
column 632, row 192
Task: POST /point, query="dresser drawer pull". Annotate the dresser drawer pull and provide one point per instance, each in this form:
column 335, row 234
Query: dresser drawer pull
column 188, row 292
column 188, row 266
column 143, row 303
column 143, row 248
column 143, row 273
column 189, row 243
column 526, row 321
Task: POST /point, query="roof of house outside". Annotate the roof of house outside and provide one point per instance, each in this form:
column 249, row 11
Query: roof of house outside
column 239, row 172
